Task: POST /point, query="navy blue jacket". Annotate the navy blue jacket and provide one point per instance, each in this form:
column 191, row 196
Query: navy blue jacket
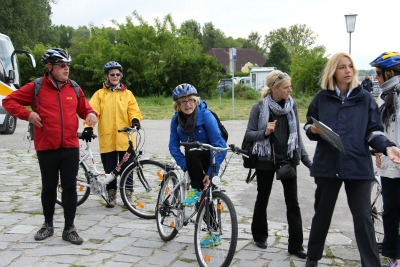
column 205, row 131
column 358, row 123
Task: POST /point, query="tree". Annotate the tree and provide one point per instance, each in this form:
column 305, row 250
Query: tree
column 296, row 36
column 307, row 66
column 26, row 22
column 278, row 57
column 254, row 42
column 212, row 37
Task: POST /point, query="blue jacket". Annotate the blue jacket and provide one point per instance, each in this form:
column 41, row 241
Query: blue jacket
column 206, row 131
column 358, row 123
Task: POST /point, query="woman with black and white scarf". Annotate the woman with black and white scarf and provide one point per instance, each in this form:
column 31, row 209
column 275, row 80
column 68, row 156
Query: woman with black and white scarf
column 273, row 127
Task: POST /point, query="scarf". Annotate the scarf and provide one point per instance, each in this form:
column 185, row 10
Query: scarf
column 390, row 92
column 187, row 123
column 112, row 87
column 263, row 147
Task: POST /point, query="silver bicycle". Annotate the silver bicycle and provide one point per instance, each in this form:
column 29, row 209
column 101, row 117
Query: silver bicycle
column 377, row 209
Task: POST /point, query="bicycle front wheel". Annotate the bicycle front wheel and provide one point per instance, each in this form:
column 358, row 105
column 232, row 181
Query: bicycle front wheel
column 216, row 231
column 139, row 187
column 169, row 213
column 377, row 210
column 82, row 190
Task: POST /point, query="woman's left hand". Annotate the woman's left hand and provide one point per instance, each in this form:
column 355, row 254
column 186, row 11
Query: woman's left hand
column 206, row 182
column 394, row 154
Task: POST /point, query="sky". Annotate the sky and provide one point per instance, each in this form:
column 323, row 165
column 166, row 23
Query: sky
column 376, row 29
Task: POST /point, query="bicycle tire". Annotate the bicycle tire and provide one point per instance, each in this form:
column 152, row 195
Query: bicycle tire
column 168, row 208
column 143, row 202
column 222, row 224
column 377, row 210
column 82, row 191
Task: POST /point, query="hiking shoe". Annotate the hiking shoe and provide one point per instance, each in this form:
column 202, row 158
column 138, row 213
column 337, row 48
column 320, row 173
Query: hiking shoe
column 112, row 198
column 192, row 197
column 72, row 236
column 44, row 232
column 392, row 263
column 210, row 241
column 129, row 197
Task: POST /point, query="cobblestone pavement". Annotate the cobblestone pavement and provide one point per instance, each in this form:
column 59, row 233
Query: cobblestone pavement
column 116, row 237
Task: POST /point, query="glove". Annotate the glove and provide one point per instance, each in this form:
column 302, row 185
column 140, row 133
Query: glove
column 87, row 134
column 136, row 123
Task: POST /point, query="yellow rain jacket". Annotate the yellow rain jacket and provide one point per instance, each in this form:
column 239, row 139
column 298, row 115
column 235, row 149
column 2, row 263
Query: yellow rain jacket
column 115, row 110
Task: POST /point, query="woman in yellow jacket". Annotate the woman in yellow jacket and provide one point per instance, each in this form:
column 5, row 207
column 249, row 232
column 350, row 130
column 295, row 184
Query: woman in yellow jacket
column 116, row 108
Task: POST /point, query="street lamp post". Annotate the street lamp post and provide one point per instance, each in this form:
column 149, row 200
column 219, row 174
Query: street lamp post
column 350, row 25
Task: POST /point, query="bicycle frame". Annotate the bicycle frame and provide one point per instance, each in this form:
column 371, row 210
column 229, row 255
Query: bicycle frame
column 97, row 186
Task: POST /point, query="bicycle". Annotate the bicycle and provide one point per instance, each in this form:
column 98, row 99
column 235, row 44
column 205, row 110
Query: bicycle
column 377, row 209
column 216, row 214
column 143, row 192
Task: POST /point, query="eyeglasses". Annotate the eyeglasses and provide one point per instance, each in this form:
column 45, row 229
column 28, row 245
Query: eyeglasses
column 379, row 73
column 184, row 102
column 115, row 74
column 62, row 65
column 280, row 77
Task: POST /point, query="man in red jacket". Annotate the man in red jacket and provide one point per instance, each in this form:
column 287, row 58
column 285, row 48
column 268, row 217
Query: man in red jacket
column 56, row 142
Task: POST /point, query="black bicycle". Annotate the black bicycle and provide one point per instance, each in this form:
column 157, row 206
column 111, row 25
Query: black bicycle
column 138, row 194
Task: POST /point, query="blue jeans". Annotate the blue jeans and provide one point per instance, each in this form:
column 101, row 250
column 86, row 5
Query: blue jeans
column 391, row 217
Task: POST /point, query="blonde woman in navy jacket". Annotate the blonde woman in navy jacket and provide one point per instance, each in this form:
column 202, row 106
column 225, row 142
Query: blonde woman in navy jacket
column 352, row 113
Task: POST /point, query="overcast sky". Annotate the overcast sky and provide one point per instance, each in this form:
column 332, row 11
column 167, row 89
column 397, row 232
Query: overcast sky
column 376, row 29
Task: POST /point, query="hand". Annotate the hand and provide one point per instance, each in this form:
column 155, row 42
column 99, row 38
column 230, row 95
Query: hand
column 87, row 134
column 315, row 130
column 135, row 123
column 91, row 119
column 270, row 128
column 206, row 182
column 394, row 154
column 35, row 119
column 378, row 160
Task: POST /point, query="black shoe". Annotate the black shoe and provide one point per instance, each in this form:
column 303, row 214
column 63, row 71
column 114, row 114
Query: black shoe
column 262, row 244
column 44, row 232
column 311, row 263
column 72, row 236
column 300, row 253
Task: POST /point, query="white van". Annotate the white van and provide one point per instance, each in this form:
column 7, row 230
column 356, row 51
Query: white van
column 9, row 80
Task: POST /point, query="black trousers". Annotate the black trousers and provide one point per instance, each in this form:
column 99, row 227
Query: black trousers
column 58, row 164
column 259, row 225
column 359, row 200
column 391, row 217
column 197, row 163
column 110, row 161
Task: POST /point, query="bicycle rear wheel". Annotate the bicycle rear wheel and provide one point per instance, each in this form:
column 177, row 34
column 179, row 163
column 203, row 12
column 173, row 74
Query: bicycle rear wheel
column 140, row 194
column 168, row 208
column 216, row 231
column 82, row 179
column 377, row 211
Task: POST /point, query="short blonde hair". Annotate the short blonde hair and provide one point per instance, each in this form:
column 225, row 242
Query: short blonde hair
column 328, row 81
column 177, row 106
column 274, row 80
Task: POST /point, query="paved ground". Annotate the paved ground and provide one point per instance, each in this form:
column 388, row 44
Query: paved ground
column 115, row 237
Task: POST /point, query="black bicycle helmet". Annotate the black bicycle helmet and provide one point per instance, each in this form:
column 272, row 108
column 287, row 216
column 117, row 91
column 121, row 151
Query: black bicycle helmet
column 387, row 60
column 55, row 55
column 111, row 65
column 182, row 90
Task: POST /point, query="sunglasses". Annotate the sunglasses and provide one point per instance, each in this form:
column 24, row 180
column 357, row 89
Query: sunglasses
column 184, row 102
column 115, row 74
column 62, row 65
column 280, row 77
column 379, row 73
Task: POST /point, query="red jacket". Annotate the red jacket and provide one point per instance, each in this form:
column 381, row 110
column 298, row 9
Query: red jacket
column 57, row 110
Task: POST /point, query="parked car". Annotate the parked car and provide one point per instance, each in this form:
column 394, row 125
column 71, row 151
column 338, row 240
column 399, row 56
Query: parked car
column 226, row 84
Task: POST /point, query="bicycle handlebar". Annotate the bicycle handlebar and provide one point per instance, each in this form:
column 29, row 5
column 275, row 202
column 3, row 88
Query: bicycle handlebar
column 128, row 129
column 204, row 146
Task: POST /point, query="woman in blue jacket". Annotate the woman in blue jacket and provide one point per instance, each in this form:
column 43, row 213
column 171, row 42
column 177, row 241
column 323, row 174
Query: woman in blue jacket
column 353, row 114
column 191, row 122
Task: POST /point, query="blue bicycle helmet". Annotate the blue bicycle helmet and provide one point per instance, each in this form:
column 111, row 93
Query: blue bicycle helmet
column 55, row 55
column 111, row 65
column 182, row 90
column 387, row 60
